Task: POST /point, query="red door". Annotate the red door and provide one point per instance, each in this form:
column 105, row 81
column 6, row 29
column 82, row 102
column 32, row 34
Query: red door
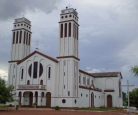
column 109, row 101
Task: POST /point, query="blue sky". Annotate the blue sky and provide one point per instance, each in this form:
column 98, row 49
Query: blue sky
column 108, row 37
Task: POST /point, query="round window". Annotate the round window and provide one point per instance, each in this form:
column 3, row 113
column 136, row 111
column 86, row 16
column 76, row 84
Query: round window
column 63, row 101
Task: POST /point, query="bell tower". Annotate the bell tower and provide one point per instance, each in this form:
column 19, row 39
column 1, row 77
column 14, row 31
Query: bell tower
column 68, row 56
column 21, row 39
column 20, row 48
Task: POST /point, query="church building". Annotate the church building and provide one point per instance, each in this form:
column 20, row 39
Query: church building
column 45, row 81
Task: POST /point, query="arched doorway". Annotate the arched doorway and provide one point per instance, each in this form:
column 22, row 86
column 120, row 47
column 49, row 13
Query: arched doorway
column 109, row 101
column 36, row 98
column 28, row 98
column 48, row 99
column 92, row 100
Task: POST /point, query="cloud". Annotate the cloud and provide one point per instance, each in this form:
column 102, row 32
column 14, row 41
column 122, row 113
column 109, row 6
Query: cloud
column 3, row 74
column 13, row 8
column 108, row 31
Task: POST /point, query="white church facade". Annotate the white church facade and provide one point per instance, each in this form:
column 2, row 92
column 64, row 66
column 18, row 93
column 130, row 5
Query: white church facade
column 46, row 81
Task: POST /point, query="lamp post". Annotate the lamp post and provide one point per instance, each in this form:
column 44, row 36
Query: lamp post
column 127, row 85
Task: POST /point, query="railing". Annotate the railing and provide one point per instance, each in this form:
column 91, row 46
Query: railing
column 30, row 87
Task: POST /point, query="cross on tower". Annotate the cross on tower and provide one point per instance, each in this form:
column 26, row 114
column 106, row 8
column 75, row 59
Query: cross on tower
column 37, row 45
column 69, row 5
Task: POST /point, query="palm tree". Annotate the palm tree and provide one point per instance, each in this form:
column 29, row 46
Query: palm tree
column 135, row 70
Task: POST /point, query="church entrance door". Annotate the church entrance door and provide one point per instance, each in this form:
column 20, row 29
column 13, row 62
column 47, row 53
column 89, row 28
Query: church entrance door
column 109, row 101
column 28, row 98
column 48, row 99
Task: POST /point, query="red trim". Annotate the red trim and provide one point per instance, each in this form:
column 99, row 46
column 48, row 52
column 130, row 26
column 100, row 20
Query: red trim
column 86, row 73
column 106, row 74
column 14, row 61
column 89, row 88
column 109, row 90
column 69, row 57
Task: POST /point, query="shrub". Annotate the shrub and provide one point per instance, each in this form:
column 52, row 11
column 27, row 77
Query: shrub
column 57, row 108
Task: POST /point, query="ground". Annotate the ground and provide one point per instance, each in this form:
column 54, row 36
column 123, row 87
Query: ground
column 59, row 112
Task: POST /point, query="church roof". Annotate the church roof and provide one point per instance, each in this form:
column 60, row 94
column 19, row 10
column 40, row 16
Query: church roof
column 86, row 73
column 46, row 56
column 106, row 74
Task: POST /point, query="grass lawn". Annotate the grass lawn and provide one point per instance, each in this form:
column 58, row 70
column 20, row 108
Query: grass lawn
column 3, row 107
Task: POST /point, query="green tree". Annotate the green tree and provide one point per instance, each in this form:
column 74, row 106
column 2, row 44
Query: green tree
column 5, row 92
column 135, row 70
column 134, row 98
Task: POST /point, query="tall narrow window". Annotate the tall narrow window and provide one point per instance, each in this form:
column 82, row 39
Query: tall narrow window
column 24, row 37
column 29, row 39
column 77, row 32
column 35, row 70
column 20, row 36
column 69, row 29
column 88, row 81
column 80, row 79
column 84, row 80
column 61, row 31
column 13, row 37
column 65, row 29
column 22, row 74
column 40, row 69
column 30, row 70
column 17, row 37
column 49, row 72
column 74, row 30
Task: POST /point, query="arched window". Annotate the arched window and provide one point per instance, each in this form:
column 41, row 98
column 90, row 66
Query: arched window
column 61, row 31
column 22, row 74
column 69, row 29
column 17, row 37
column 28, row 82
column 20, row 36
column 49, row 72
column 34, row 71
column 41, row 82
column 65, row 29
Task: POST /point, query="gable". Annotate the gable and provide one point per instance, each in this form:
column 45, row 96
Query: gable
column 39, row 54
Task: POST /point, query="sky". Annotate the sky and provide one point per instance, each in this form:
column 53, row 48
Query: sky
column 108, row 36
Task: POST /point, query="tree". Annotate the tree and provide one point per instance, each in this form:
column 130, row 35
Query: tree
column 134, row 98
column 135, row 70
column 5, row 92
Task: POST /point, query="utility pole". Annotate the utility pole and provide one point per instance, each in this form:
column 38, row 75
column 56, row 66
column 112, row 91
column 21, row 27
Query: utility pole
column 128, row 85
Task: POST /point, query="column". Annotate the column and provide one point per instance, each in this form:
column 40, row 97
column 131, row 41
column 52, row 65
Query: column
column 39, row 103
